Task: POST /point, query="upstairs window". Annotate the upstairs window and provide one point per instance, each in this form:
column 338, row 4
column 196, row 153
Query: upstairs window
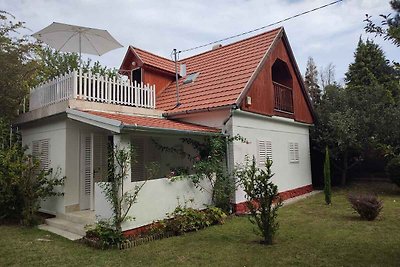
column 283, row 86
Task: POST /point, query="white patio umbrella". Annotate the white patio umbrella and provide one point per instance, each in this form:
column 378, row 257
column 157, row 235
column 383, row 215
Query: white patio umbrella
column 72, row 38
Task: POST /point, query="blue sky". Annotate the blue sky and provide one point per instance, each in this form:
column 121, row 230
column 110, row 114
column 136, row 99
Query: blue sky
column 329, row 35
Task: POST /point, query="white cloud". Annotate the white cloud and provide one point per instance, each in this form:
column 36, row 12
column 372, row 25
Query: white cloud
column 329, row 35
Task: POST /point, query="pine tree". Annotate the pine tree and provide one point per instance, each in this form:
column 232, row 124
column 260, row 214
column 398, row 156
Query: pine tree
column 311, row 82
column 370, row 66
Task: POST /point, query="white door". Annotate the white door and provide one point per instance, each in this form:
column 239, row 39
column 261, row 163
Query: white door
column 86, row 177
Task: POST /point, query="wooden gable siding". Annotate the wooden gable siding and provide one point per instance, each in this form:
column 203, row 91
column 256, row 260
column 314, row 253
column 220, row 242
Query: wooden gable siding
column 262, row 92
column 151, row 76
column 159, row 79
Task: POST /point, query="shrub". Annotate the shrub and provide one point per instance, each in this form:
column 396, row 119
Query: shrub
column 263, row 200
column 366, row 205
column 393, row 170
column 184, row 219
column 23, row 184
column 105, row 233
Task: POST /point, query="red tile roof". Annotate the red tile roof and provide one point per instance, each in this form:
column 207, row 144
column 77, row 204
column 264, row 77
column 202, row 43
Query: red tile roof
column 224, row 73
column 155, row 123
column 154, row 60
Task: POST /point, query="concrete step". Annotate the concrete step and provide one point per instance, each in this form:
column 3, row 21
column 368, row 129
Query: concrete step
column 57, row 231
column 80, row 217
column 66, row 225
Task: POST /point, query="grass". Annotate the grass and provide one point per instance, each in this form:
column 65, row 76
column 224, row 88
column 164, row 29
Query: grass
column 311, row 234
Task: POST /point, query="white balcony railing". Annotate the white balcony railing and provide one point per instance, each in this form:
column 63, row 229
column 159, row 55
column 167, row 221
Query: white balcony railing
column 96, row 88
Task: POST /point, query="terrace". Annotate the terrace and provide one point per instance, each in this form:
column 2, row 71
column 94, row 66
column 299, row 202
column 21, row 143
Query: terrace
column 86, row 86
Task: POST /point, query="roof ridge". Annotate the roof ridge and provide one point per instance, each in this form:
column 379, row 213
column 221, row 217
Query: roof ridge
column 230, row 44
column 161, row 57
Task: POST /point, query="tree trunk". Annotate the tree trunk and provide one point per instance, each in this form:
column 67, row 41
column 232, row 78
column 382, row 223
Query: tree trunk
column 344, row 169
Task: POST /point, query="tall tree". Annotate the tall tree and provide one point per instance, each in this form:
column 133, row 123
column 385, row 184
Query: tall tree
column 17, row 66
column 311, row 82
column 327, row 75
column 389, row 27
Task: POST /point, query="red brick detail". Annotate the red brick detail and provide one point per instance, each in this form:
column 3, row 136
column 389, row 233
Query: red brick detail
column 241, row 208
column 137, row 231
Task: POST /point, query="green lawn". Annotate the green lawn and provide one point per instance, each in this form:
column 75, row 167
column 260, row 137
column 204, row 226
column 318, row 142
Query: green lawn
column 311, row 234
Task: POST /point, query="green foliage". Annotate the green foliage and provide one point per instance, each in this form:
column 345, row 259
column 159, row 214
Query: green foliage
column 390, row 26
column 393, row 170
column 209, row 163
column 185, row 219
column 327, row 178
column 23, row 185
column 368, row 206
column 262, row 196
column 53, row 63
column 17, row 64
column 311, row 82
column 362, row 116
column 104, row 232
column 122, row 200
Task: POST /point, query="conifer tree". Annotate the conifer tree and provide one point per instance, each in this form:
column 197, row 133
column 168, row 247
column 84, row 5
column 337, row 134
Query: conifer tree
column 327, row 178
column 311, row 82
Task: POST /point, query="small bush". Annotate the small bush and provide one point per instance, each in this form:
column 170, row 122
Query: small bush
column 105, row 233
column 184, row 219
column 393, row 170
column 368, row 206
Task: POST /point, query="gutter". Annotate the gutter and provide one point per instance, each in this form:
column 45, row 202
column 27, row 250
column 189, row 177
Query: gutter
column 275, row 118
column 166, row 114
column 164, row 130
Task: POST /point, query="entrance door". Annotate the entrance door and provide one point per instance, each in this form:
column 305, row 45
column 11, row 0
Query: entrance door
column 86, row 177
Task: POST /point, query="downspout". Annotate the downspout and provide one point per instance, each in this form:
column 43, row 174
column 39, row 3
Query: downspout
column 176, row 78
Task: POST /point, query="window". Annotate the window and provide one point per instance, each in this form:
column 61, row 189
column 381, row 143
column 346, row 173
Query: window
column 41, row 151
column 264, row 150
column 191, row 78
column 137, row 75
column 283, row 84
column 293, row 152
column 144, row 153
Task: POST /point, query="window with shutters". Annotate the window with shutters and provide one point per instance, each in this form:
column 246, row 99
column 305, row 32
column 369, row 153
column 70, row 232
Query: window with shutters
column 41, row 151
column 144, row 153
column 264, row 151
column 294, row 152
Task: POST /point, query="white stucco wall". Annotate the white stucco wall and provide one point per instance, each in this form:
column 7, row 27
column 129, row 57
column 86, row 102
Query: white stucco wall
column 280, row 132
column 214, row 118
column 53, row 129
column 157, row 197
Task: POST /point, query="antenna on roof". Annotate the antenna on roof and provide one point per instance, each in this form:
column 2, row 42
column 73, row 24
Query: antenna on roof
column 176, row 77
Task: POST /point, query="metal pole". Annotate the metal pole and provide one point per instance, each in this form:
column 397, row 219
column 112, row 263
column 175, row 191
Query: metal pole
column 80, row 47
column 176, row 79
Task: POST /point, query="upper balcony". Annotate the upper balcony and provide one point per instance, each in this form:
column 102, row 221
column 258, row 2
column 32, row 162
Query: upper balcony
column 95, row 88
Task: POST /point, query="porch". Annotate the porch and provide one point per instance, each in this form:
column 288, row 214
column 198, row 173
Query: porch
column 100, row 132
column 92, row 87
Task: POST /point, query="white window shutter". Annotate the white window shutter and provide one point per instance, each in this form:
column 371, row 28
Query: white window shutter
column 137, row 168
column 87, row 162
column 294, row 152
column 41, row 151
column 264, row 150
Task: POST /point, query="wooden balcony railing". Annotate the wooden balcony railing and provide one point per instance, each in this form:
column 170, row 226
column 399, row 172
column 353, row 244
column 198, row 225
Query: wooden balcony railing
column 96, row 88
column 283, row 98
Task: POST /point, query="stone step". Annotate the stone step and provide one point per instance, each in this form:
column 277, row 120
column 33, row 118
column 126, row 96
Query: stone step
column 66, row 225
column 78, row 217
column 57, row 231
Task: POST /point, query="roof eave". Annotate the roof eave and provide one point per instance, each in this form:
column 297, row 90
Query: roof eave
column 192, row 111
column 128, row 127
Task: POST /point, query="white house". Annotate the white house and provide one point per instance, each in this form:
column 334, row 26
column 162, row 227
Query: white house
column 252, row 88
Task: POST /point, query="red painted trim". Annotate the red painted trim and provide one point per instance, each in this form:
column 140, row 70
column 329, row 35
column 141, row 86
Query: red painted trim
column 241, row 208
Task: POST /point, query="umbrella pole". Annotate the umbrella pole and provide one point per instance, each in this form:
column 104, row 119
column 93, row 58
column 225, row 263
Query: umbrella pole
column 80, row 49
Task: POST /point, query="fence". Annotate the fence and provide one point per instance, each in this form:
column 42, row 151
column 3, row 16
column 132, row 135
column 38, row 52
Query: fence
column 92, row 87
